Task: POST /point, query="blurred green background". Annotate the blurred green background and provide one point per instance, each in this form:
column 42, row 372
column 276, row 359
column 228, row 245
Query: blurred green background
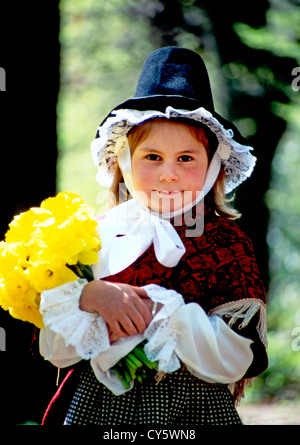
column 69, row 63
column 250, row 57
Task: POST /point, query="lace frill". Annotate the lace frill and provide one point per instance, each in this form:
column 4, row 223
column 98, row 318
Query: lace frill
column 161, row 333
column 237, row 160
column 86, row 332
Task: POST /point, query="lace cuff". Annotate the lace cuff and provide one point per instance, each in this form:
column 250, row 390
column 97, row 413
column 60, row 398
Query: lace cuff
column 161, row 334
column 86, row 332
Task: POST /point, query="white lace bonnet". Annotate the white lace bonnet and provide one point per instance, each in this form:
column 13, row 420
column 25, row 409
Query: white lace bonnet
column 173, row 84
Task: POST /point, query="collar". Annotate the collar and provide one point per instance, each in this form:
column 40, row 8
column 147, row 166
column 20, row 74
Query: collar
column 127, row 231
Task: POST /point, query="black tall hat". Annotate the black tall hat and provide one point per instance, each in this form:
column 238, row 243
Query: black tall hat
column 174, row 83
column 172, row 76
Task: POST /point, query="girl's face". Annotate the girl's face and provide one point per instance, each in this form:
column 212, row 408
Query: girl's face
column 169, row 166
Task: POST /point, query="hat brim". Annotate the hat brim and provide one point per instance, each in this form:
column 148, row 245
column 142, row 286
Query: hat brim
column 161, row 102
column 112, row 134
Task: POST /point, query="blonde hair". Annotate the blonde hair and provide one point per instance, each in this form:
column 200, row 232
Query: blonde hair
column 215, row 198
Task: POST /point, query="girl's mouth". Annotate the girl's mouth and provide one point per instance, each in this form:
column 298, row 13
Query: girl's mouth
column 166, row 193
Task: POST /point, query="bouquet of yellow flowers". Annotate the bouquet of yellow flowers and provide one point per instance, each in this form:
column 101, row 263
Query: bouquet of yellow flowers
column 45, row 247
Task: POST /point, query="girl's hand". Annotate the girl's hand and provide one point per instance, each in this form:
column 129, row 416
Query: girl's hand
column 149, row 303
column 126, row 309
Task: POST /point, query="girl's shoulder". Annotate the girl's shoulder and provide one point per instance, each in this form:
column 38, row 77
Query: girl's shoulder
column 221, row 232
column 224, row 227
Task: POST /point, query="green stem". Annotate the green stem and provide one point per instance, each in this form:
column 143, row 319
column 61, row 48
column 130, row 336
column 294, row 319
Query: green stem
column 76, row 269
column 134, row 365
column 138, row 363
column 142, row 356
column 123, row 380
column 86, row 270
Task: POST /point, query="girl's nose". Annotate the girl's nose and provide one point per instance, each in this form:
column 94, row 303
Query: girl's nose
column 168, row 175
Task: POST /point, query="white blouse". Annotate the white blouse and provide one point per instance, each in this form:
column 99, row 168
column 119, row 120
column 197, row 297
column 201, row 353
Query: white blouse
column 208, row 347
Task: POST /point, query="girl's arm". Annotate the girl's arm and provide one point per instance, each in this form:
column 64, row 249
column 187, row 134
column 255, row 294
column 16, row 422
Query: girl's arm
column 72, row 334
column 209, row 347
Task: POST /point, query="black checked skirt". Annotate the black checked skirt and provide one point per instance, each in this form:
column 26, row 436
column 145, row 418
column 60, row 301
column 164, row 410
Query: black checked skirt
column 178, row 399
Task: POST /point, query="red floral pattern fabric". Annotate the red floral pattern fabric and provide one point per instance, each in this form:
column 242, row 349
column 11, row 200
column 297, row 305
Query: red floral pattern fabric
column 218, row 267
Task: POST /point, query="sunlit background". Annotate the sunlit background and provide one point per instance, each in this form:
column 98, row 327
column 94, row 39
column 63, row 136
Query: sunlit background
column 103, row 46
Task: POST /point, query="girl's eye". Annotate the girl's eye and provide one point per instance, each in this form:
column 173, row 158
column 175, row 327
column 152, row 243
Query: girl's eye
column 153, row 157
column 185, row 158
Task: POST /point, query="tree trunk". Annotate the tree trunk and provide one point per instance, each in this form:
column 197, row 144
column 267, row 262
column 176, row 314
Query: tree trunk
column 30, row 59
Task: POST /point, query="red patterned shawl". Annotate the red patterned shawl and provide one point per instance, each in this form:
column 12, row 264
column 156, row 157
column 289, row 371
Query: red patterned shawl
column 219, row 272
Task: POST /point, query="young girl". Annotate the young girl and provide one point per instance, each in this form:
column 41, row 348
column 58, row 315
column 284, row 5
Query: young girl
column 173, row 268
